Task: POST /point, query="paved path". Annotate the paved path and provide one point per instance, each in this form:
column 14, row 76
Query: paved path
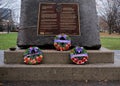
column 63, row 83
column 60, row 83
column 3, row 32
column 117, row 55
column 1, row 56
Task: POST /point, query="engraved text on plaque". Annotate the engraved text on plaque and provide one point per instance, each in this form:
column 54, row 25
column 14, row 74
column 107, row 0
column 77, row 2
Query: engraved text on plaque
column 58, row 18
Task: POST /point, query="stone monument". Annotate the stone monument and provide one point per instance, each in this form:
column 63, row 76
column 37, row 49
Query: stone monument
column 77, row 18
column 41, row 20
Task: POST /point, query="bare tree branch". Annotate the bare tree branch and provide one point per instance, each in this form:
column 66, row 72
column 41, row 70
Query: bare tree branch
column 110, row 14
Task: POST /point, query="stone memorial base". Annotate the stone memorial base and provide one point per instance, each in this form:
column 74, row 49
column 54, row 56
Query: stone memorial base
column 59, row 72
column 61, row 57
column 56, row 65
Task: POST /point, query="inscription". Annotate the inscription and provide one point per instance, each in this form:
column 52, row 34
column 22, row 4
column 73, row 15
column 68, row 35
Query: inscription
column 58, row 18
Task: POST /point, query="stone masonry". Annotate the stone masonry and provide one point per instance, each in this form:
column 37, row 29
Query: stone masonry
column 89, row 31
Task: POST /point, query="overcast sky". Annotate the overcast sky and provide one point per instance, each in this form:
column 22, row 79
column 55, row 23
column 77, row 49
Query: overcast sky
column 14, row 5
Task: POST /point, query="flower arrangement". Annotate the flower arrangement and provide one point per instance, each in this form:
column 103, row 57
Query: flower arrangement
column 62, row 42
column 79, row 55
column 33, row 55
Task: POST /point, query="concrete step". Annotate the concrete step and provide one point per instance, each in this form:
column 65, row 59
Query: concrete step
column 60, row 72
column 60, row 57
column 61, row 83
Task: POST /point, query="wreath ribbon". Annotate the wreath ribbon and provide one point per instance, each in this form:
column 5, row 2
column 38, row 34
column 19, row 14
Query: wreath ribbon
column 31, row 57
column 79, row 55
column 62, row 41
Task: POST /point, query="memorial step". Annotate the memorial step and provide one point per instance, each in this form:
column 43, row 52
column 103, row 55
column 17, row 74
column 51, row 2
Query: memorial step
column 60, row 57
column 59, row 72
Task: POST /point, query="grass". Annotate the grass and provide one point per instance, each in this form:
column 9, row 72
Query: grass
column 109, row 41
column 7, row 40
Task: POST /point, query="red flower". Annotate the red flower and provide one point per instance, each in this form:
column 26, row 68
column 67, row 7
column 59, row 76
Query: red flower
column 41, row 56
column 26, row 60
column 79, row 62
column 69, row 44
column 33, row 61
column 75, row 60
column 55, row 44
column 72, row 59
column 38, row 59
column 66, row 47
column 61, row 49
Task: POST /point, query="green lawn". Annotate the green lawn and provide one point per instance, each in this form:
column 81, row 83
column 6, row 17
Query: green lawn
column 7, row 40
column 112, row 43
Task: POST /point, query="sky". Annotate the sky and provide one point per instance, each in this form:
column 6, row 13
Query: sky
column 14, row 5
column 101, row 6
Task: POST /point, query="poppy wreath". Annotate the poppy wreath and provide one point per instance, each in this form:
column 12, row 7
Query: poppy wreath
column 79, row 55
column 33, row 55
column 62, row 42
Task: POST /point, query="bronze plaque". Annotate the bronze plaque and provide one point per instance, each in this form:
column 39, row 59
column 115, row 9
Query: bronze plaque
column 59, row 18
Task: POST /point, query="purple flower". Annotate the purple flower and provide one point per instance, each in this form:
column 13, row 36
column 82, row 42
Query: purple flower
column 65, row 36
column 30, row 49
column 59, row 36
column 78, row 49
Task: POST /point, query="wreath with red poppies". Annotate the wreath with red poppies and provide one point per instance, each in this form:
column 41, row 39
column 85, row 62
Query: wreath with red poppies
column 62, row 42
column 33, row 55
column 79, row 55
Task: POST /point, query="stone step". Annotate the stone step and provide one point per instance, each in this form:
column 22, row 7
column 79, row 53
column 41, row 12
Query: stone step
column 61, row 83
column 59, row 72
column 60, row 57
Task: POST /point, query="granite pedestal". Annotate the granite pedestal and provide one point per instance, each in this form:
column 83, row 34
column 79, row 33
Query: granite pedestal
column 89, row 30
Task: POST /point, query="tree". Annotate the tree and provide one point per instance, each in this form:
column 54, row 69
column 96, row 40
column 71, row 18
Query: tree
column 3, row 11
column 110, row 13
column 7, row 11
